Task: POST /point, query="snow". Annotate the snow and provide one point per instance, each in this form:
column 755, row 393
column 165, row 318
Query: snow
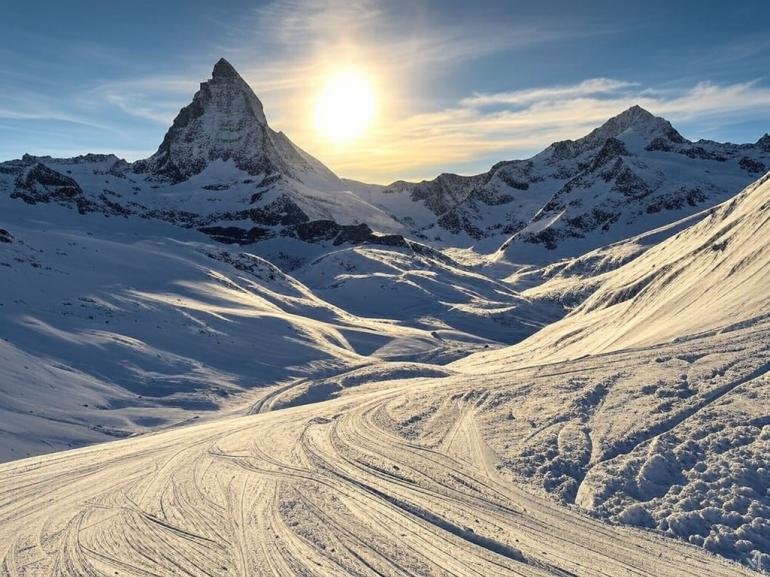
column 145, row 325
column 332, row 390
column 668, row 437
column 367, row 483
column 425, row 292
column 676, row 436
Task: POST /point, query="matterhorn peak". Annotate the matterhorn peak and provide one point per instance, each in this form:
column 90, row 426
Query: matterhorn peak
column 228, row 92
column 226, row 122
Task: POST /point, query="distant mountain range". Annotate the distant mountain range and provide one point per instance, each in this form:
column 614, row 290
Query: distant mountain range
column 222, row 170
column 632, row 174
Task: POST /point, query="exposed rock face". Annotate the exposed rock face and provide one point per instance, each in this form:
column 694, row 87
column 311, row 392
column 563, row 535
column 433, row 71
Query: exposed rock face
column 605, row 184
column 234, row 234
column 764, row 143
column 38, row 183
column 225, row 121
column 314, row 231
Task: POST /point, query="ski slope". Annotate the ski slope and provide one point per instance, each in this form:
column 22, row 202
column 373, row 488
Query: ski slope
column 344, row 487
column 300, row 389
column 674, row 436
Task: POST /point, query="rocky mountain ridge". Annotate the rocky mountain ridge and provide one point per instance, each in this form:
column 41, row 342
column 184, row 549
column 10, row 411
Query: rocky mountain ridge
column 222, row 170
column 634, row 173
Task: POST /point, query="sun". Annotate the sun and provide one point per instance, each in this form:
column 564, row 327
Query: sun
column 345, row 107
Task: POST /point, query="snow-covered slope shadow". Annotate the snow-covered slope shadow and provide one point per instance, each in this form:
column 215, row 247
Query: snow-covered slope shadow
column 428, row 291
column 112, row 327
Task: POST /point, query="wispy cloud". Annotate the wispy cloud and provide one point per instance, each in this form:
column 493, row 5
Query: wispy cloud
column 423, row 144
column 154, row 98
column 499, row 125
column 591, row 87
column 26, row 105
column 396, row 40
column 302, row 22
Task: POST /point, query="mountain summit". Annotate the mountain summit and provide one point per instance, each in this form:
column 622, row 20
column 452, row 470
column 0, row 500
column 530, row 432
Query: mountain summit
column 223, row 69
column 635, row 119
column 225, row 121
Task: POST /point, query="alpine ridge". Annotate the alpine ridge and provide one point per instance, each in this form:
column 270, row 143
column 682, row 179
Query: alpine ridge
column 630, row 175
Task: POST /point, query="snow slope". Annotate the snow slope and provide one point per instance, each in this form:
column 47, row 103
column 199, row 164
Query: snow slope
column 113, row 326
column 346, row 487
column 709, row 276
column 425, row 290
column 652, row 396
column 671, row 437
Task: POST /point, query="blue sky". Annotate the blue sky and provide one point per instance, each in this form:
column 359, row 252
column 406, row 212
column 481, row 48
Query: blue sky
column 462, row 84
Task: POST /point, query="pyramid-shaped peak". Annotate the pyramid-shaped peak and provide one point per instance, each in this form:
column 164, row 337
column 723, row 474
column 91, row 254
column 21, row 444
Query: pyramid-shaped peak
column 636, row 113
column 226, row 122
column 638, row 120
column 223, row 69
column 635, row 117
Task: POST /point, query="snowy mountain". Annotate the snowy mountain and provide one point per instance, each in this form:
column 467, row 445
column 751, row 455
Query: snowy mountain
column 220, row 169
column 326, row 370
column 125, row 283
column 632, row 174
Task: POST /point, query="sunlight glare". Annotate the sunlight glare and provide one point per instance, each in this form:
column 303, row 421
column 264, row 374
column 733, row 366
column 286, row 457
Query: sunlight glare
column 345, row 107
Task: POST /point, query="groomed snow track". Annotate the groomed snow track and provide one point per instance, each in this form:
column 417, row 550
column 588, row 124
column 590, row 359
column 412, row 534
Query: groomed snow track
column 327, row 489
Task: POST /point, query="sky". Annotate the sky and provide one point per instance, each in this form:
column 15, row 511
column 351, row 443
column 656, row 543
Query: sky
column 459, row 85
